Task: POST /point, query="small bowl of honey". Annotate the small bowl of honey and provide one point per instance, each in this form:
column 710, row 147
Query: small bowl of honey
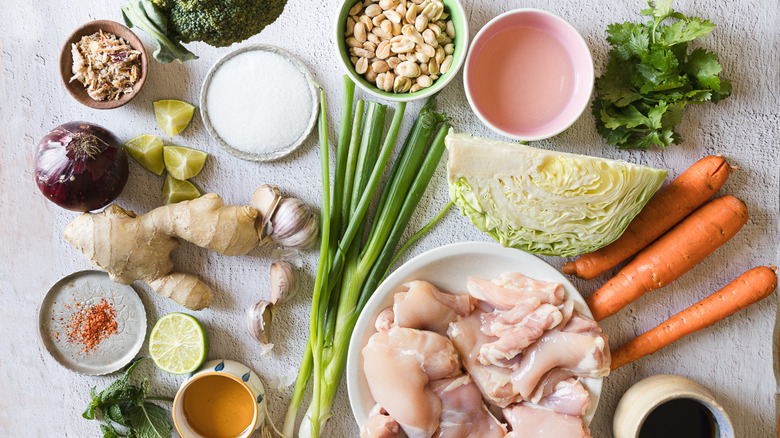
column 223, row 399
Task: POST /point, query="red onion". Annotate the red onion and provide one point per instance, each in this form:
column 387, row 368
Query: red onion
column 80, row 166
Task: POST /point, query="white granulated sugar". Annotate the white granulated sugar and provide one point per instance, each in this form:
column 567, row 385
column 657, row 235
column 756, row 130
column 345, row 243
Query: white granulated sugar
column 259, row 102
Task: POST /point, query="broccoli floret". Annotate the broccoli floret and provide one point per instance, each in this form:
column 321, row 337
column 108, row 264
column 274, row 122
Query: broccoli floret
column 216, row 22
column 219, row 22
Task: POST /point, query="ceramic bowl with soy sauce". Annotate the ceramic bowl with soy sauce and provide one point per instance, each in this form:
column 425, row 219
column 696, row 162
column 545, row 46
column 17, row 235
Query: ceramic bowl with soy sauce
column 670, row 406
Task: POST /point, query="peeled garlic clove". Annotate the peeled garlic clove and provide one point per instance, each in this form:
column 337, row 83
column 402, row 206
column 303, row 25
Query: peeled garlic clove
column 258, row 321
column 284, row 282
column 265, row 199
column 293, row 225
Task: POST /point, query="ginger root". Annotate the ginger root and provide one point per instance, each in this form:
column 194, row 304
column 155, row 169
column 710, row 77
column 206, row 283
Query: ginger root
column 131, row 247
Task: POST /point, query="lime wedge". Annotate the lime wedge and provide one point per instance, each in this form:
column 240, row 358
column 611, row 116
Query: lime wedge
column 176, row 190
column 173, row 116
column 178, row 343
column 147, row 150
column 182, row 162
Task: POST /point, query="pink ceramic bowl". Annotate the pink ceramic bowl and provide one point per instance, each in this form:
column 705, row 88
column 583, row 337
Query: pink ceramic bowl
column 528, row 74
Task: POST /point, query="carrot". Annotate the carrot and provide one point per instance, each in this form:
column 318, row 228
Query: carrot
column 750, row 287
column 671, row 205
column 671, row 256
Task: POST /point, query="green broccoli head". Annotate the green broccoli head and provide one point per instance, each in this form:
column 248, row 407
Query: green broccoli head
column 219, row 22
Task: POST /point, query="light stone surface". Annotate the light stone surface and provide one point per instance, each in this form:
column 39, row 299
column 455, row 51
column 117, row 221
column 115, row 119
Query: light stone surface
column 734, row 359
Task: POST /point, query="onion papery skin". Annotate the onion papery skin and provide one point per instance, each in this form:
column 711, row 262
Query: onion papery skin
column 80, row 166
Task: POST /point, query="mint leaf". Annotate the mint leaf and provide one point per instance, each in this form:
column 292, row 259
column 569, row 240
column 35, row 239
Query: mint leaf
column 150, row 421
column 109, row 431
column 125, row 404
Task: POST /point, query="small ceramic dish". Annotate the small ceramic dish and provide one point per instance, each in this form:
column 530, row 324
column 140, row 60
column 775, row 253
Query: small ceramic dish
column 461, row 41
column 235, row 371
column 448, row 268
column 648, row 394
column 565, row 75
column 86, row 288
column 76, row 88
column 281, row 152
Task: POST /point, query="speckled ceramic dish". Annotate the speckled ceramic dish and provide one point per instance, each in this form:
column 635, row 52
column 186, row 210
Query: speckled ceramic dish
column 230, row 369
column 88, row 288
column 275, row 155
column 448, row 268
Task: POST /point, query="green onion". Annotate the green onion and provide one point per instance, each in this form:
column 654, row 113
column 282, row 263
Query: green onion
column 315, row 324
column 349, row 268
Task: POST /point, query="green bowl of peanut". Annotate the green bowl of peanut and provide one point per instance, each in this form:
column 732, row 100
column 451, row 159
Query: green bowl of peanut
column 401, row 50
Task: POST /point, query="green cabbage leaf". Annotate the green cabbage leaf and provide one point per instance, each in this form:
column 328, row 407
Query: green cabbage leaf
column 546, row 202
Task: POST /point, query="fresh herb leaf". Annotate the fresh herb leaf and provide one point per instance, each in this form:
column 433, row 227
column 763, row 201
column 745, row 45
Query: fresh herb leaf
column 150, row 420
column 125, row 404
column 651, row 77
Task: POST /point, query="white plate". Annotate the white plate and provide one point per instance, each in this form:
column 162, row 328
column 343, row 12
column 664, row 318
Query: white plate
column 448, row 268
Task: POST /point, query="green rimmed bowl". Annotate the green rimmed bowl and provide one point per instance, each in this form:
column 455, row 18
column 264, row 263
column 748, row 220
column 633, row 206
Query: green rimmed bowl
column 461, row 42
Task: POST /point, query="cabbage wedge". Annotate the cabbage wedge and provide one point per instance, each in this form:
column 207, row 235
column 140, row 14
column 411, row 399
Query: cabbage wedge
column 546, row 202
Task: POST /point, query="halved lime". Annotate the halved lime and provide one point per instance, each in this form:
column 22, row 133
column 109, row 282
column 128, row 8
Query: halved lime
column 173, row 116
column 176, row 190
column 147, row 149
column 183, row 162
column 178, row 343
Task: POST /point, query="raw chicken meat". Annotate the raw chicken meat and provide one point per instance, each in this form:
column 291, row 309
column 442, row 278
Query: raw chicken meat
column 424, row 307
column 514, row 339
column 531, row 421
column 398, row 364
column 494, row 382
column 521, row 342
column 501, row 320
column 585, row 355
column 512, row 288
column 548, row 383
column 385, row 320
column 568, row 397
column 581, row 325
column 464, row 415
column 380, row 425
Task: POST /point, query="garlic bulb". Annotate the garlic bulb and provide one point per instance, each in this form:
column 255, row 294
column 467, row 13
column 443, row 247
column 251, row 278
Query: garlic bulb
column 293, row 225
column 286, row 221
column 258, row 321
column 284, row 282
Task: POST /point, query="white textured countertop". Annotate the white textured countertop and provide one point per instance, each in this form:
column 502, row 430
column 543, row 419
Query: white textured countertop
column 734, row 359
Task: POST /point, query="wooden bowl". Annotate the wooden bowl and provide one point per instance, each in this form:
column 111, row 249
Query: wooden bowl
column 79, row 91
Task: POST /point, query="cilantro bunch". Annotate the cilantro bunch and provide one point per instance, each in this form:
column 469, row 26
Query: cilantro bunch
column 128, row 405
column 651, row 77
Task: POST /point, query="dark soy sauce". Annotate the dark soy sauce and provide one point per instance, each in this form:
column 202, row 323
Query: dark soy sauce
column 679, row 418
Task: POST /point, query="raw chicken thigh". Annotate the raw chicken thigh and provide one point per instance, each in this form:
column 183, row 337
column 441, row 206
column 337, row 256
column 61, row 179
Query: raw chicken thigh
column 424, row 307
column 494, row 382
column 380, row 425
column 532, row 421
column 398, row 365
column 464, row 415
column 523, row 347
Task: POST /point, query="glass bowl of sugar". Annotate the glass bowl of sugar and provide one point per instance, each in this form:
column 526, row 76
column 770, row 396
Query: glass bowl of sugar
column 259, row 102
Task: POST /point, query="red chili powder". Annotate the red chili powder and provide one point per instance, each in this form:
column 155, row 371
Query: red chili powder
column 90, row 325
